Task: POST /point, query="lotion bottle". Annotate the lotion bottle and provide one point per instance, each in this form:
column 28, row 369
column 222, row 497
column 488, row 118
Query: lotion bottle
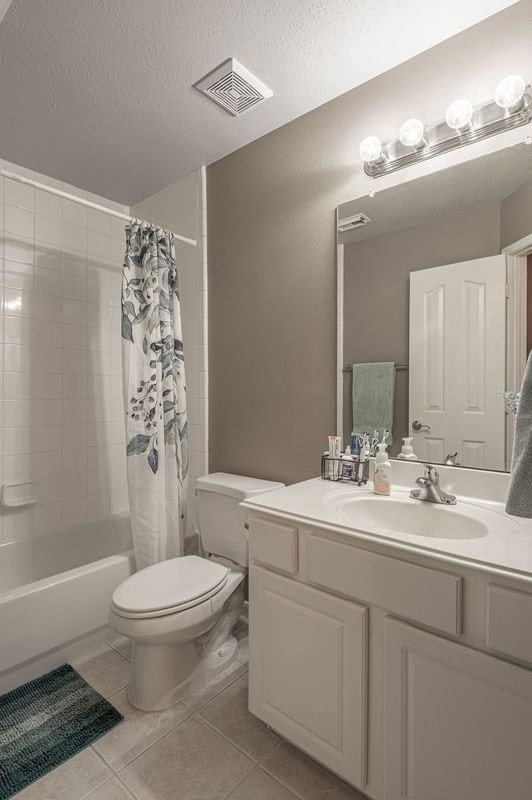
column 382, row 478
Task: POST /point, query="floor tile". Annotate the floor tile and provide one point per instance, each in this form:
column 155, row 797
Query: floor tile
column 190, row 763
column 260, row 786
column 138, row 731
column 111, row 790
column 123, row 646
column 240, row 631
column 107, row 671
column 306, row 777
column 229, row 714
column 216, row 685
column 73, row 780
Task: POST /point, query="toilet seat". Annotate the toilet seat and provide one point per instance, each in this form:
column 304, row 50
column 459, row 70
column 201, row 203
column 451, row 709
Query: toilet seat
column 169, row 587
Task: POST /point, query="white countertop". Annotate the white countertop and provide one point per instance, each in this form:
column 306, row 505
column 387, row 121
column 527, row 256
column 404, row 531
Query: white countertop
column 507, row 545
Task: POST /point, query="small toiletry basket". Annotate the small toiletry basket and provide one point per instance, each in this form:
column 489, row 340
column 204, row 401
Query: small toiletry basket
column 341, row 469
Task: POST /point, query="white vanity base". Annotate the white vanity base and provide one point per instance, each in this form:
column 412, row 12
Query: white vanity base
column 407, row 670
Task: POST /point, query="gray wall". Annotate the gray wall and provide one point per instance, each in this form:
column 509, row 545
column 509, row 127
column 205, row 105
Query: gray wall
column 376, row 285
column 516, row 215
column 272, row 272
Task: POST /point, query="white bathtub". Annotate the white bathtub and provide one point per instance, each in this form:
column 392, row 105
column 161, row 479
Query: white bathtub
column 55, row 592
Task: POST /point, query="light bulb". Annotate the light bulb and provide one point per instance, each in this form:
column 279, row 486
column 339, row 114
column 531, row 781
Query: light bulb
column 370, row 148
column 459, row 113
column 412, row 132
column 509, row 92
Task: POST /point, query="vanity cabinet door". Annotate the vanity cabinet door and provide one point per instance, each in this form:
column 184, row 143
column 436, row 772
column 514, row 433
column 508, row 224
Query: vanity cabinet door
column 307, row 670
column 458, row 723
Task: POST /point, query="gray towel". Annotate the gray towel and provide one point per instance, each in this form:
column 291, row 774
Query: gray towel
column 373, row 391
column 519, row 501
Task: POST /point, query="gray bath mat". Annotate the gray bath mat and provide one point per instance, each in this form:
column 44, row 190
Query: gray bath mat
column 47, row 721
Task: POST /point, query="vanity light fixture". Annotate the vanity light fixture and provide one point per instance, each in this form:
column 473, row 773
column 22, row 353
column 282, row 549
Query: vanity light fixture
column 458, row 115
column 412, row 133
column 464, row 124
column 509, row 93
column 370, row 149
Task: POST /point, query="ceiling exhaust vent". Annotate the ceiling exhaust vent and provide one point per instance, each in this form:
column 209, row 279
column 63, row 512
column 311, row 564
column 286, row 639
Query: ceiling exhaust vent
column 350, row 223
column 233, row 87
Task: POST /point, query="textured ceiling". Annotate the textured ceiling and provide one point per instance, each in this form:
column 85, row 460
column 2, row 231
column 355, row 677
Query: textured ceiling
column 99, row 93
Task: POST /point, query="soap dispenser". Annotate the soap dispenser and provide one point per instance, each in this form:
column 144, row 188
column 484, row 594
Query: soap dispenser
column 382, row 478
column 407, row 451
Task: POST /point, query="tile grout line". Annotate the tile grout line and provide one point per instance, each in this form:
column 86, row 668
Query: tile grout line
column 200, row 708
column 257, row 762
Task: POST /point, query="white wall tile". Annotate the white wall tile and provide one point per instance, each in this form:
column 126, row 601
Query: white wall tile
column 47, row 518
column 19, row 221
column 16, row 248
column 47, row 412
column 17, row 194
column 47, row 307
column 18, row 303
column 48, row 464
column 18, row 358
column 18, row 331
column 48, row 204
column 61, row 414
column 18, row 275
column 47, row 438
column 18, row 386
column 48, row 230
column 17, row 441
column 48, row 281
column 17, row 414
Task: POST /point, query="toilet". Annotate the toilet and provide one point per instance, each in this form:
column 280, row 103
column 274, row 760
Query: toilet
column 180, row 613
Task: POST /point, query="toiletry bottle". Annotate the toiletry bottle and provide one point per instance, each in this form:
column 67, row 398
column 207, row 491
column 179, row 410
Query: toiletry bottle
column 407, row 451
column 382, row 479
column 347, row 464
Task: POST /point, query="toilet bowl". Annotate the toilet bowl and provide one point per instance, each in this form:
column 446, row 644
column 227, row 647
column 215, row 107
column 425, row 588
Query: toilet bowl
column 180, row 613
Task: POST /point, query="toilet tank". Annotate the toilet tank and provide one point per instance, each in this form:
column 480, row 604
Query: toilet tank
column 221, row 519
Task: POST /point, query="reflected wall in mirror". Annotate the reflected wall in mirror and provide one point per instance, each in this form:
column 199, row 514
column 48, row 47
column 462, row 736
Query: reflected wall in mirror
column 434, row 310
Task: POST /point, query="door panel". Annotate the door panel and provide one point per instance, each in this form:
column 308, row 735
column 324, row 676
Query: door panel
column 457, row 361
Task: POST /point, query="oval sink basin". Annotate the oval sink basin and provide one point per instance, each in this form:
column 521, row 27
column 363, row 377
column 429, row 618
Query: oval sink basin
column 392, row 515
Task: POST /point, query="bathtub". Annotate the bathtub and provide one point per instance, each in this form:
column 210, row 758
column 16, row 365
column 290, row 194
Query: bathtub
column 55, row 592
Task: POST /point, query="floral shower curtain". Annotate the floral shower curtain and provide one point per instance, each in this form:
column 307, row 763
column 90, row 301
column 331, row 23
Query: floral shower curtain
column 154, row 394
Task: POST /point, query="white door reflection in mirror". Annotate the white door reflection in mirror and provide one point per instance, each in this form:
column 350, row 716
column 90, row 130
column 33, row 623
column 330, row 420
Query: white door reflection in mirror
column 458, row 362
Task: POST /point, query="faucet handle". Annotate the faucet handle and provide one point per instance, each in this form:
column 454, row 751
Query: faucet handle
column 431, row 473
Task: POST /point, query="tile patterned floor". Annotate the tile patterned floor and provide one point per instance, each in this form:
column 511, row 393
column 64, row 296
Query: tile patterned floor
column 207, row 747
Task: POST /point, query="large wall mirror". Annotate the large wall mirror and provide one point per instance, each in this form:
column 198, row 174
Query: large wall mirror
column 435, row 310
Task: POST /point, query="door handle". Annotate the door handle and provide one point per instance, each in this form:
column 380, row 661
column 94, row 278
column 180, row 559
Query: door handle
column 418, row 426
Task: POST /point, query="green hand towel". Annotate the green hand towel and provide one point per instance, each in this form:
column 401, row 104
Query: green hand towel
column 373, row 393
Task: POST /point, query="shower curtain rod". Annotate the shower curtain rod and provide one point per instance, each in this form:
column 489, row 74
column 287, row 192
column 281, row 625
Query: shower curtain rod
column 59, row 193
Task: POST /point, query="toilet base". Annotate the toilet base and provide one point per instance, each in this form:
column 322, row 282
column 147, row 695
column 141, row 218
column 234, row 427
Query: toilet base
column 162, row 674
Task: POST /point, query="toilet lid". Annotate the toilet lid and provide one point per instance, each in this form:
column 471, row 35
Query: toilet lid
column 170, row 584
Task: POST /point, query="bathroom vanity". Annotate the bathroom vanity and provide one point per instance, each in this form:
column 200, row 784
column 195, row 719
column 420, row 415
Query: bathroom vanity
column 391, row 640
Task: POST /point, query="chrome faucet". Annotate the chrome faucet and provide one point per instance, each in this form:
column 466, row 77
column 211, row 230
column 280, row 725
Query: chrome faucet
column 429, row 488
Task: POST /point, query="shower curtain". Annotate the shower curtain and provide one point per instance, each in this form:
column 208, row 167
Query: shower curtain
column 154, row 395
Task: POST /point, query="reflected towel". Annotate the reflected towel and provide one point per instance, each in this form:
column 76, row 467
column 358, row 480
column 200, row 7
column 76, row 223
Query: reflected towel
column 519, row 501
column 373, row 393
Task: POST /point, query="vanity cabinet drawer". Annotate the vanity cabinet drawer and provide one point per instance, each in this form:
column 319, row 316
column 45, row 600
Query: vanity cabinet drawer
column 509, row 622
column 426, row 596
column 273, row 544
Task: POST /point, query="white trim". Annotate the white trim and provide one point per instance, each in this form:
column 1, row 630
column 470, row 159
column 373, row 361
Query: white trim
column 75, row 199
column 340, row 340
column 520, row 248
column 516, row 325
